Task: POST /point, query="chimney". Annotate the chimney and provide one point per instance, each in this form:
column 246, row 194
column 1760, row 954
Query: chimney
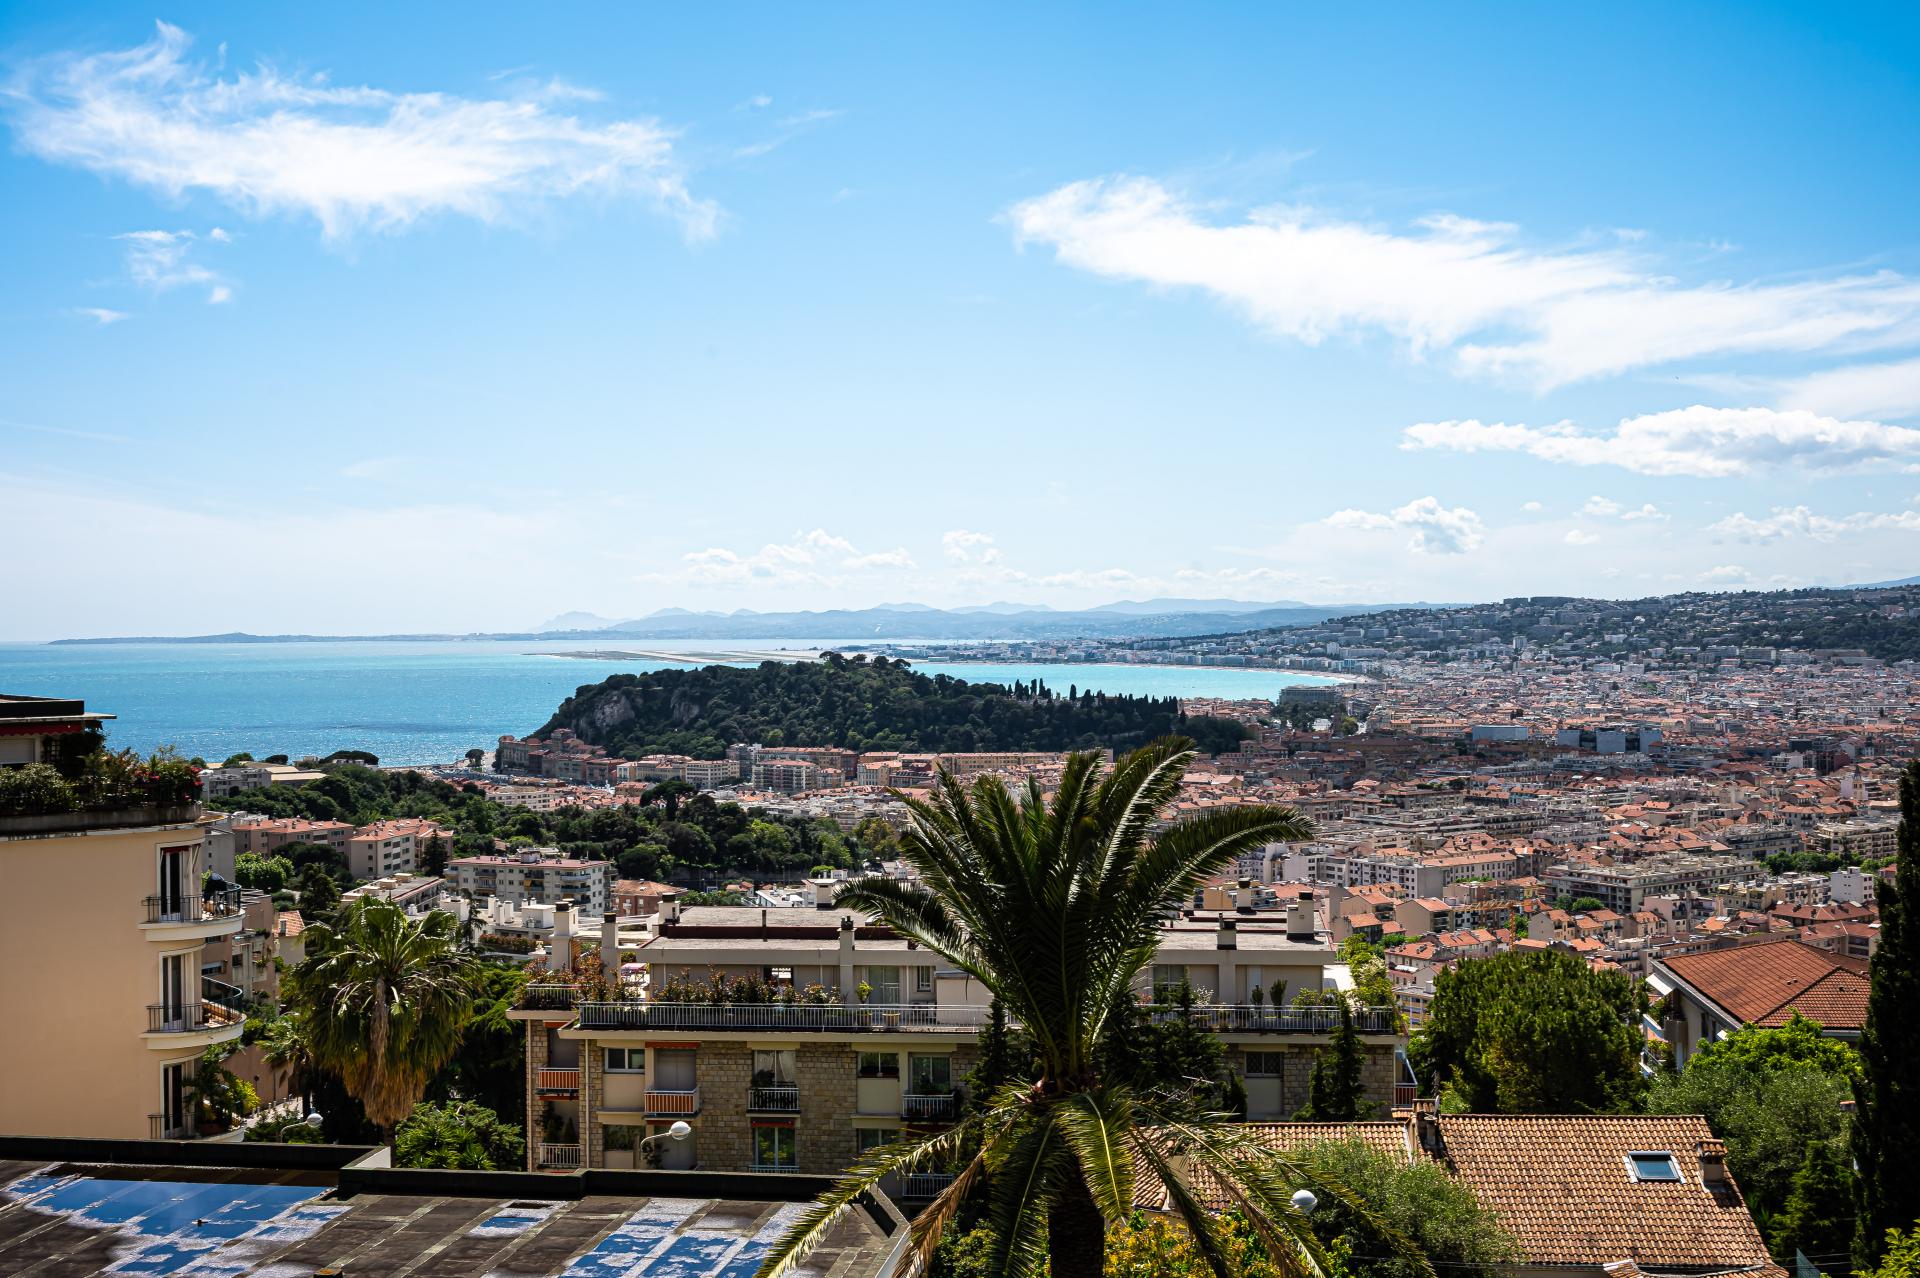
column 1228, row 937
column 560, row 949
column 1426, row 1127
column 610, row 942
column 1300, row 925
column 1713, row 1164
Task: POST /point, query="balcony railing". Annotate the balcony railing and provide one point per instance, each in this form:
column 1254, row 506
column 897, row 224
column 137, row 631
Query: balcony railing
column 557, row 1080
column 924, row 1186
column 774, row 1098
column 929, row 1107
column 228, row 998
column 776, row 1166
column 922, row 1018
column 559, row 1157
column 157, row 1129
column 1404, row 1094
column 188, row 908
column 783, row 1017
column 664, row 1101
column 189, row 1018
column 549, row 998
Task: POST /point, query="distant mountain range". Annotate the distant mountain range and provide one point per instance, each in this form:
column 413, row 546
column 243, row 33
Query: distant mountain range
column 1147, row 618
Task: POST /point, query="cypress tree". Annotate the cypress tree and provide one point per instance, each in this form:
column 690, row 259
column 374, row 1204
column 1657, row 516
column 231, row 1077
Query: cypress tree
column 1335, row 1089
column 1814, row 1220
column 1886, row 1122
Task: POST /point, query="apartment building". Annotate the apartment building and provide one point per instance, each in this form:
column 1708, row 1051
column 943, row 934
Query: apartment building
column 1624, row 889
column 871, row 1037
column 221, row 783
column 387, row 848
column 263, row 836
column 536, row 874
column 108, row 1010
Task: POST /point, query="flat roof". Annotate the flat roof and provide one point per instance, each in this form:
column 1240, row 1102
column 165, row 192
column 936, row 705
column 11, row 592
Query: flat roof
column 64, row 1220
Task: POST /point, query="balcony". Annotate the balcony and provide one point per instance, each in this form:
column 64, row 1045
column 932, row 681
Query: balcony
column 191, row 1018
column 920, row 1187
column 774, row 1098
column 929, row 1107
column 549, row 998
column 182, row 915
column 673, row 1103
column 1244, row 1018
column 782, row 1018
column 557, row 1080
column 558, row 1157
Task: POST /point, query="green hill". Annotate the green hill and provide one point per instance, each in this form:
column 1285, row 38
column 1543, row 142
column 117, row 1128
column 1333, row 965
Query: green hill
column 859, row 704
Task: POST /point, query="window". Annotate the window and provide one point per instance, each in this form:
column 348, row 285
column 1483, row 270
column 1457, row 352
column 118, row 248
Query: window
column 930, row 1075
column 885, row 983
column 626, row 1060
column 1653, row 1165
column 879, row 1065
column 773, row 1148
column 1168, row 977
column 620, row 1136
column 774, row 1068
column 1264, row 1064
column 865, row 1138
column 923, row 980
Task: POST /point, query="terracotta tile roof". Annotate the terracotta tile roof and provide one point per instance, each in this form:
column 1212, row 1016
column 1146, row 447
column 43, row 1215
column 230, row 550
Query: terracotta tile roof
column 1391, row 1138
column 1764, row 984
column 1560, row 1184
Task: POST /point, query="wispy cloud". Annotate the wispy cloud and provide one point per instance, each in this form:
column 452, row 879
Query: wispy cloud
column 268, row 142
column 1701, row 441
column 1471, row 289
column 1798, row 521
column 1871, row 390
column 161, row 260
column 65, row 432
column 1435, row 529
column 816, row 559
column 100, row 315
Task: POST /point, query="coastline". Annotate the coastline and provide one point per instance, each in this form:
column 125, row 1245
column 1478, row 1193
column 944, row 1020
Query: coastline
column 736, row 657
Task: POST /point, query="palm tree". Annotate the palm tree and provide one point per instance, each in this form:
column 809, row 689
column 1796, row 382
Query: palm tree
column 1055, row 908
column 286, row 1049
column 385, row 999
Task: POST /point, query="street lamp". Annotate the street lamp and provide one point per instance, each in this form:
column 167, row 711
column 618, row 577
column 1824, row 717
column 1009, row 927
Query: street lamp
column 679, row 1131
column 1304, row 1201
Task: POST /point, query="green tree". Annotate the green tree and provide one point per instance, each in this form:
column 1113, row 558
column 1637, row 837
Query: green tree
column 433, row 857
column 491, row 1066
column 386, row 999
column 1886, row 1126
column 1899, row 1255
column 1054, row 908
column 1817, row 1220
column 1372, row 984
column 459, row 1134
column 1772, row 1095
column 1336, row 1090
column 1533, row 1032
column 1444, row 1219
column 268, row 873
column 319, row 894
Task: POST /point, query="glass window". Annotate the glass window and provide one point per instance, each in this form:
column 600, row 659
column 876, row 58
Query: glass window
column 626, row 1060
column 773, row 1147
column 930, row 1075
column 774, row 1068
column 865, row 1138
column 923, row 980
column 1263, row 1064
column 621, row 1136
column 1653, row 1165
column 879, row 1065
column 885, row 982
column 1168, row 977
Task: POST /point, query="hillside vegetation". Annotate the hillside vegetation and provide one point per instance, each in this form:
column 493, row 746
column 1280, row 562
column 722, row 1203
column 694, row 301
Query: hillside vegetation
column 858, row 704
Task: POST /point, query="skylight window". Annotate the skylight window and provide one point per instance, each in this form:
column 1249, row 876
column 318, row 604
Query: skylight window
column 1653, row 1165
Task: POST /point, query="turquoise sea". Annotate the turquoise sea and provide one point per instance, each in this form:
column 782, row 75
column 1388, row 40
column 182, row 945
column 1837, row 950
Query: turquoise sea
column 430, row 702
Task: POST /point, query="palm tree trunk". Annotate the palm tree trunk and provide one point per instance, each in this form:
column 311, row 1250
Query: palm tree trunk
column 1076, row 1233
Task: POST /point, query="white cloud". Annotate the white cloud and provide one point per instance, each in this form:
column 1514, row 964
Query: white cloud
column 1581, row 537
column 1799, row 521
column 1874, row 390
column 161, row 260
column 267, row 142
column 964, row 547
column 816, row 559
column 1453, row 284
column 1435, row 529
column 100, row 314
column 1726, row 573
column 1606, row 508
column 1532, row 507
column 1708, row 442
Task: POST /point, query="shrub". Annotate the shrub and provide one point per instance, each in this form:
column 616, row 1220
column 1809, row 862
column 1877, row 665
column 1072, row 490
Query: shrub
column 35, row 790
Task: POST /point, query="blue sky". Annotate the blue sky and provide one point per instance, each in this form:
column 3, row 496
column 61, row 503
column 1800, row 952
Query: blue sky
column 352, row 318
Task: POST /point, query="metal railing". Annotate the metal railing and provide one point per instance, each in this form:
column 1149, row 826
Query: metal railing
column 188, row 1018
column 549, row 998
column 777, row 1098
column 675, row 1102
column 1246, row 1018
column 185, row 907
column 789, row 1165
column 1237, row 1018
column 559, row 1157
column 929, row 1107
column 922, row 1186
column 551, row 1079
column 227, row 998
column 782, row 1017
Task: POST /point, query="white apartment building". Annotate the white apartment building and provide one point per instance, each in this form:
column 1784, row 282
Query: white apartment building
column 536, row 874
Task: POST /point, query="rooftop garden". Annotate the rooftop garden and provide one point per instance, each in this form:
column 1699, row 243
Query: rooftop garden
column 88, row 777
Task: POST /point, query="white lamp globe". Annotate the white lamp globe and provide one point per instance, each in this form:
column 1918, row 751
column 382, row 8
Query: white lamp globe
column 1304, row 1201
column 680, row 1131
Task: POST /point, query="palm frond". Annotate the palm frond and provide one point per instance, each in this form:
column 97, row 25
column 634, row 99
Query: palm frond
column 1098, row 1125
